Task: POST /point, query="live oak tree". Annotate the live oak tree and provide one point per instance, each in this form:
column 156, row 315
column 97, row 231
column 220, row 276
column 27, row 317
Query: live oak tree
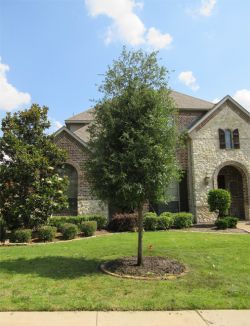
column 30, row 187
column 133, row 139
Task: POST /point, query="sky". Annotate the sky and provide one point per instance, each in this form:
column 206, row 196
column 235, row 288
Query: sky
column 55, row 52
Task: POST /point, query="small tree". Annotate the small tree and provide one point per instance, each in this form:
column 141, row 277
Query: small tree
column 30, row 188
column 219, row 201
column 133, row 137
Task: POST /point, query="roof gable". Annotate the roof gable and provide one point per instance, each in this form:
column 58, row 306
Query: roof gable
column 242, row 112
column 73, row 135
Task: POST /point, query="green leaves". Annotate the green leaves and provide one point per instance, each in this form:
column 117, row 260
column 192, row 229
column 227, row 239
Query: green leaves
column 133, row 137
column 30, row 187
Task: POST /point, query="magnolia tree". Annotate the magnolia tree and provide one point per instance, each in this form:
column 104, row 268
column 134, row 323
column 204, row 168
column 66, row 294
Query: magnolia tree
column 30, row 187
column 133, row 137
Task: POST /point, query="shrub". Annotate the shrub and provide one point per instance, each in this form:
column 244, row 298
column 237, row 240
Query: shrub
column 100, row 220
column 226, row 222
column 166, row 221
column 21, row 235
column 69, row 231
column 221, row 223
column 150, row 221
column 219, row 200
column 182, row 220
column 59, row 221
column 46, row 233
column 88, row 228
column 231, row 221
column 3, row 230
column 123, row 222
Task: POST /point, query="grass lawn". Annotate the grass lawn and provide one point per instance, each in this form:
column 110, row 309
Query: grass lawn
column 65, row 276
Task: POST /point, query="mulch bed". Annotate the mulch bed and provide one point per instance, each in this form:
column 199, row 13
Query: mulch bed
column 153, row 267
column 213, row 228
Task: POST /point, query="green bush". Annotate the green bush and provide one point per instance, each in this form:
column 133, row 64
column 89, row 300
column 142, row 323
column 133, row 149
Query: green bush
column 150, row 221
column 46, row 233
column 100, row 220
column 182, row 220
column 21, row 235
column 166, row 221
column 226, row 222
column 221, row 223
column 219, row 200
column 88, row 228
column 231, row 221
column 59, row 221
column 3, row 230
column 123, row 222
column 69, row 231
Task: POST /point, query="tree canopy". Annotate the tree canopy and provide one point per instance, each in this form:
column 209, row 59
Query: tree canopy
column 30, row 187
column 134, row 138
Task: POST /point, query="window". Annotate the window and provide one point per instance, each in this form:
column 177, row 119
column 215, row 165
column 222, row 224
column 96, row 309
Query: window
column 229, row 139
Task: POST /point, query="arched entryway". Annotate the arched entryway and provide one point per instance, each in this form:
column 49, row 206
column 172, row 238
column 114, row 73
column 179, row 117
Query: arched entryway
column 230, row 178
column 72, row 191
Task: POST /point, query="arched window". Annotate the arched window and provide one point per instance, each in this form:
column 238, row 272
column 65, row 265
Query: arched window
column 229, row 139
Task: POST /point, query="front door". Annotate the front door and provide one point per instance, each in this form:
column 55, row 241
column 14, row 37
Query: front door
column 230, row 178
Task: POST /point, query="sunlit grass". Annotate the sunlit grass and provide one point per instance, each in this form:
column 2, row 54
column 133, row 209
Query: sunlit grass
column 65, row 276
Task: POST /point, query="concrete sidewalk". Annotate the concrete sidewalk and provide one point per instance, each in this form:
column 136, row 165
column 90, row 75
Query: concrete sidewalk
column 141, row 318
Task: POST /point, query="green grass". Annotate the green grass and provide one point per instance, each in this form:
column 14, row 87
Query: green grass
column 65, row 276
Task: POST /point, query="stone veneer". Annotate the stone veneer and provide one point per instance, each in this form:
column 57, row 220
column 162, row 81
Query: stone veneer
column 77, row 155
column 206, row 158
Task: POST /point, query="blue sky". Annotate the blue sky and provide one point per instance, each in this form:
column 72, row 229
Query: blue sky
column 54, row 51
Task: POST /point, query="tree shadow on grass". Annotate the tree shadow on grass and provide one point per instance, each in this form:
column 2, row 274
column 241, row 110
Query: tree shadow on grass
column 55, row 267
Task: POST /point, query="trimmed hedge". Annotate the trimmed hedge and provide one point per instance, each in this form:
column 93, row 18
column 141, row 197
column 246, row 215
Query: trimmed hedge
column 166, row 221
column 152, row 222
column 226, row 222
column 46, row 233
column 69, row 231
column 182, row 220
column 123, row 222
column 58, row 221
column 99, row 219
column 88, row 228
column 231, row 222
column 3, row 230
column 21, row 236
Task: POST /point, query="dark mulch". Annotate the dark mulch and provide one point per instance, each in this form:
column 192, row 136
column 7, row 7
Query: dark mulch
column 213, row 228
column 152, row 267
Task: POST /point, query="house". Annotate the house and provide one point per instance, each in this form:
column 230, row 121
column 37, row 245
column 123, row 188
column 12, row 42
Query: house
column 217, row 155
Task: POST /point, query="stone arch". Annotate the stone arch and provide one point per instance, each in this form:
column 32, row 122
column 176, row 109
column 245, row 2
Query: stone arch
column 245, row 180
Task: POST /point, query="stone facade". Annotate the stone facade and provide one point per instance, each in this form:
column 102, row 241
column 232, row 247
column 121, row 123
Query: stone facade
column 201, row 159
column 206, row 158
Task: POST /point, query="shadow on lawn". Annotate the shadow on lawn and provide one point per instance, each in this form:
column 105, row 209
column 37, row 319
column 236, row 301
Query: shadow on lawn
column 55, row 267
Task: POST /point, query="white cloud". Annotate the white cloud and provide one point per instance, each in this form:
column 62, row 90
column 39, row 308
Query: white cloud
column 243, row 97
column 187, row 78
column 10, row 97
column 216, row 100
column 54, row 125
column 126, row 24
column 157, row 40
column 207, row 7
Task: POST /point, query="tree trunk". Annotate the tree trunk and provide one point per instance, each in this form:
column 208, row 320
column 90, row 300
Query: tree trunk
column 140, row 235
